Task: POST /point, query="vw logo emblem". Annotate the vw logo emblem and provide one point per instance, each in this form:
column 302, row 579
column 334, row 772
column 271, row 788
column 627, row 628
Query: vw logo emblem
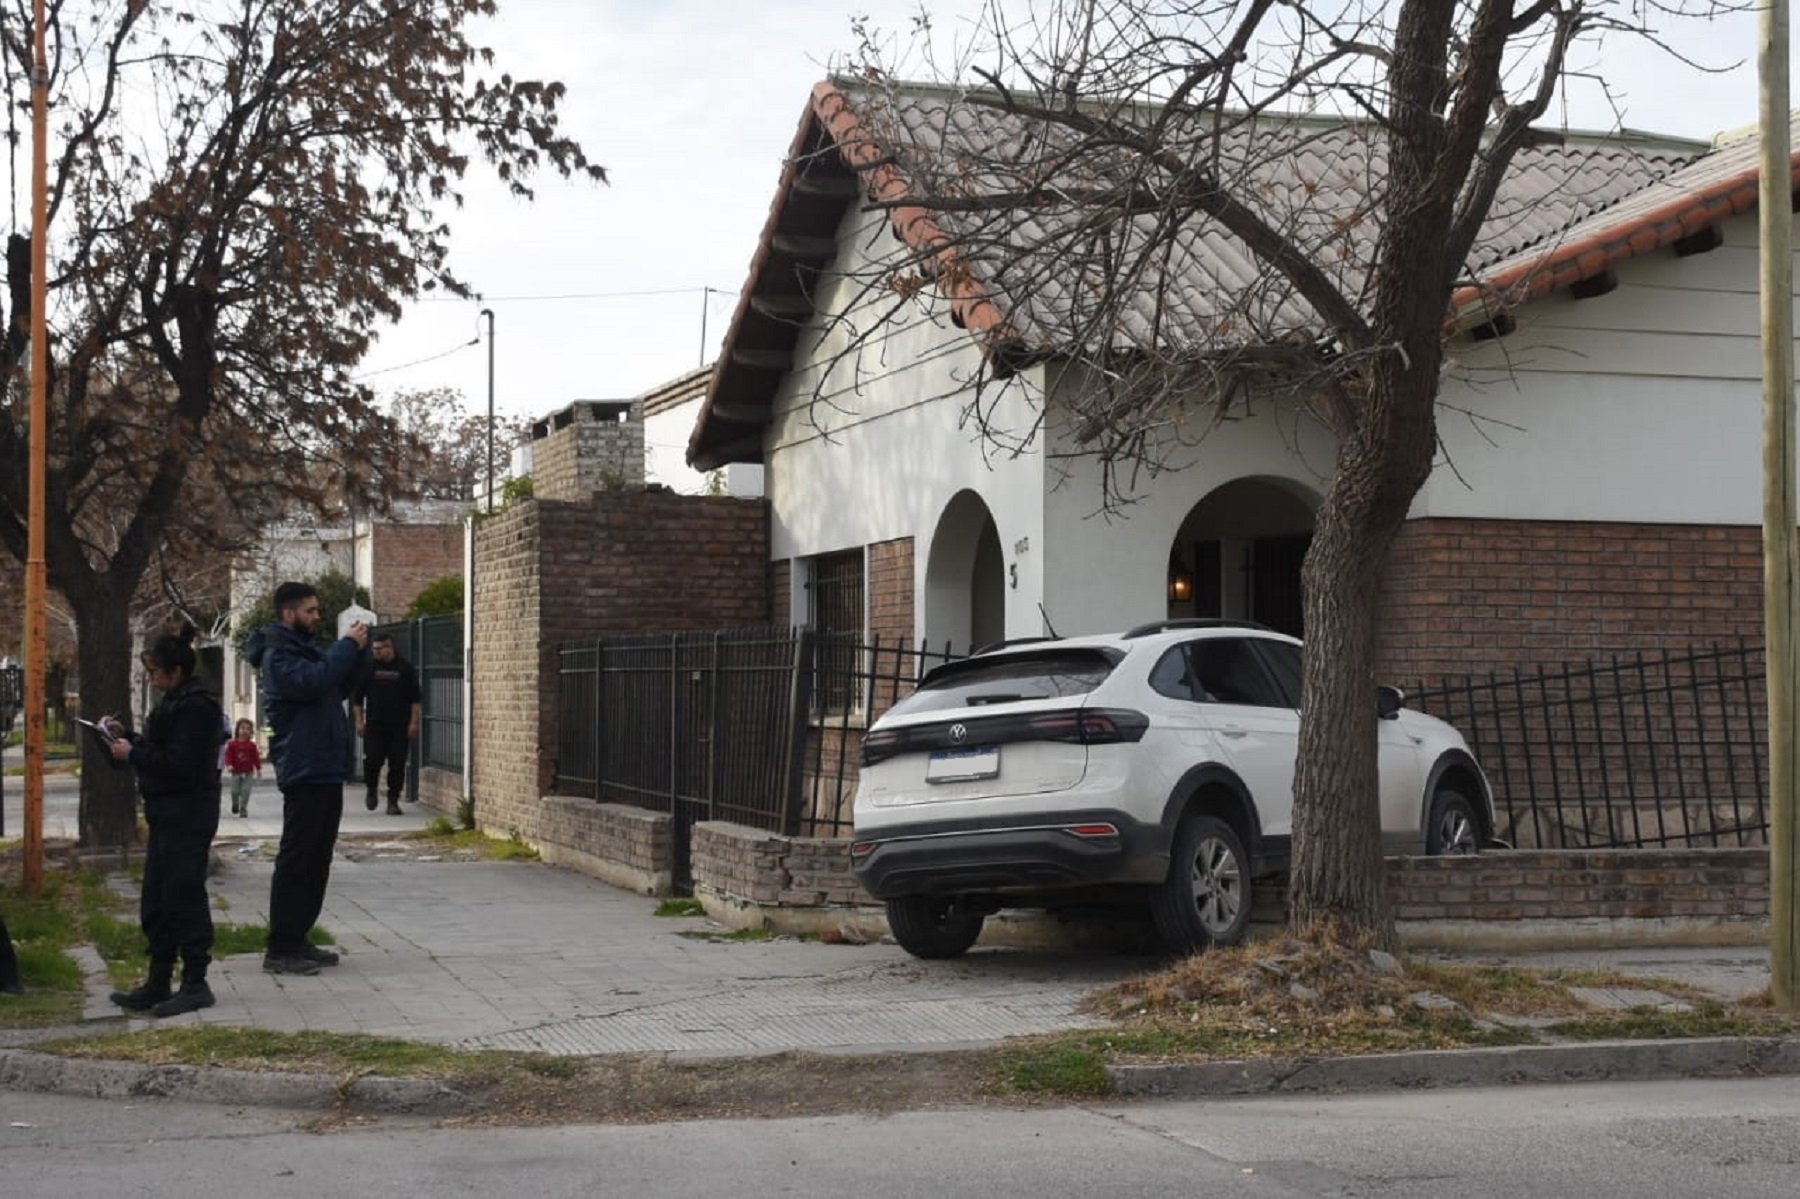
column 959, row 733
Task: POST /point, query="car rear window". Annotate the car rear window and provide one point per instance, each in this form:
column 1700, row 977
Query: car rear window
column 976, row 682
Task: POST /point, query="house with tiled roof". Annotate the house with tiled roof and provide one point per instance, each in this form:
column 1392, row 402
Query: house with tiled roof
column 929, row 475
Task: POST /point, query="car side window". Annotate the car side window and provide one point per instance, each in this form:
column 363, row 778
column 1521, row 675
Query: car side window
column 1284, row 660
column 1170, row 676
column 1228, row 671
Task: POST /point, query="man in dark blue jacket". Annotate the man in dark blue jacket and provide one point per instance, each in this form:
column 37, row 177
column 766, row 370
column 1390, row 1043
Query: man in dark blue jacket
column 314, row 753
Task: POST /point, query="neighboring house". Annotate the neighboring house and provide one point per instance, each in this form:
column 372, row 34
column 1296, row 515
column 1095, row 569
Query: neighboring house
column 669, row 413
column 1598, row 489
column 653, row 428
column 394, row 556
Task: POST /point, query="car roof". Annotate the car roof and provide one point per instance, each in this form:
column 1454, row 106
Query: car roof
column 1155, row 636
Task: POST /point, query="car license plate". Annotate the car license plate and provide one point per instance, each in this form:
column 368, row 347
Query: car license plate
column 961, row 765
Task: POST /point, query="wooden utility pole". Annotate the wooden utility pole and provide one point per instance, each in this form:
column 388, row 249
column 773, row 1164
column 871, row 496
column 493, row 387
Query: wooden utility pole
column 1775, row 213
column 36, row 587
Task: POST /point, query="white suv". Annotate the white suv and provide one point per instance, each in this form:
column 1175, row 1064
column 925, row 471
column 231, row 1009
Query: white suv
column 1055, row 772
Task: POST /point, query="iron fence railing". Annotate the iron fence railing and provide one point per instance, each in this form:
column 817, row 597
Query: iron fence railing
column 438, row 643
column 1639, row 751
column 722, row 725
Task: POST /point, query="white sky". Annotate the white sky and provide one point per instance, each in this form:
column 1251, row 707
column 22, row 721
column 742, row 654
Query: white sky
column 690, row 105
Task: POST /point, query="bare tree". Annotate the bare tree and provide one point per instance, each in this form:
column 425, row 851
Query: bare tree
column 241, row 192
column 1122, row 191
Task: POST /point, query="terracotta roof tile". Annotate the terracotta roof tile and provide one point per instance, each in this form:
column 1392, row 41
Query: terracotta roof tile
column 1563, row 213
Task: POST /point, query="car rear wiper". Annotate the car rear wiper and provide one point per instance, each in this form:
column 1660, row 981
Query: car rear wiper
column 976, row 701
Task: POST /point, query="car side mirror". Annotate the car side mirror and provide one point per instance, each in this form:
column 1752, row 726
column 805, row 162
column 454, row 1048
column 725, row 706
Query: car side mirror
column 1389, row 701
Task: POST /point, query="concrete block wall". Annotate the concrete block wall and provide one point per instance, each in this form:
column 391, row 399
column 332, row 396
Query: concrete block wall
column 587, row 448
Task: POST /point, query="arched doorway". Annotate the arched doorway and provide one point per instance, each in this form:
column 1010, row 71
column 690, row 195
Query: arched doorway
column 965, row 576
column 1237, row 554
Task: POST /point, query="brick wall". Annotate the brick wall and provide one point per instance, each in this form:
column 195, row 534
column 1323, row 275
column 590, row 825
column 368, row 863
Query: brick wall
column 781, row 592
column 760, row 879
column 627, row 847
column 891, row 590
column 1474, row 596
column 440, row 790
column 622, row 562
column 1634, row 884
column 504, row 663
column 407, row 557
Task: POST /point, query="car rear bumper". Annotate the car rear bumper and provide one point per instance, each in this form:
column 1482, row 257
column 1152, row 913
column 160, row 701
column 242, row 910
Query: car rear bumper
column 1024, row 855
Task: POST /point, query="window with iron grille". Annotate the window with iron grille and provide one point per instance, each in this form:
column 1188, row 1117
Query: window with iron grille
column 836, row 597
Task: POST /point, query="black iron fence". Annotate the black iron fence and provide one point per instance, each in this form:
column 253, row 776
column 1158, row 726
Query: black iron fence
column 1636, row 751
column 438, row 646
column 722, row 725
column 1640, row 751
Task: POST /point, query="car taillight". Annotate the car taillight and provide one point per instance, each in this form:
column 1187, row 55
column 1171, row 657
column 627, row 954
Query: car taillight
column 1090, row 726
column 879, row 747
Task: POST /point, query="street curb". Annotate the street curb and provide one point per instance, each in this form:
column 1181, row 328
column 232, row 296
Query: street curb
column 24, row 1070
column 1603, row 1061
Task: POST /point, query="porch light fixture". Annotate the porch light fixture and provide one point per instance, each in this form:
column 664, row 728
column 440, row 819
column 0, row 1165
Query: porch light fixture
column 1181, row 579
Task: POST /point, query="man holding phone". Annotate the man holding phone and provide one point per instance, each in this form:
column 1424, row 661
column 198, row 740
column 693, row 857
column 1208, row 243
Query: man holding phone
column 314, row 753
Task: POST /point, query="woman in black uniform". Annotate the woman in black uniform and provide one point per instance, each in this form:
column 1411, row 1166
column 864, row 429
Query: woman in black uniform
column 176, row 757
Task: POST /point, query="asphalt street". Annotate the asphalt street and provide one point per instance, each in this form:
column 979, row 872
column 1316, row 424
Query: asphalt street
column 1666, row 1140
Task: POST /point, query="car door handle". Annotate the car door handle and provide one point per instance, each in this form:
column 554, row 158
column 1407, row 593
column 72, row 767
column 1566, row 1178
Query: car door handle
column 1234, row 730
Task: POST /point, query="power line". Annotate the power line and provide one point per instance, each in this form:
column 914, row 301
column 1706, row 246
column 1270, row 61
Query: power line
column 553, row 297
column 457, row 349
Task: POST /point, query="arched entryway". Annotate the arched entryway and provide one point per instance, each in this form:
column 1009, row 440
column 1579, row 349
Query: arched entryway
column 1237, row 554
column 965, row 583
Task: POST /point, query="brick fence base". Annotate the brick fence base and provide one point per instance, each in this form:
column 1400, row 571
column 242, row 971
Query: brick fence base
column 1524, row 899
column 1533, row 899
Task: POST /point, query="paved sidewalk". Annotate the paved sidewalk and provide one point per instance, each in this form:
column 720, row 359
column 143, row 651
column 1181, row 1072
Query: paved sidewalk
column 524, row 956
column 518, row 955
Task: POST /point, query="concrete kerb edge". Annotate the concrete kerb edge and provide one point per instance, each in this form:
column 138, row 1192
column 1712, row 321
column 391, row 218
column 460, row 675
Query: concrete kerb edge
column 1605, row 1061
column 25, row 1070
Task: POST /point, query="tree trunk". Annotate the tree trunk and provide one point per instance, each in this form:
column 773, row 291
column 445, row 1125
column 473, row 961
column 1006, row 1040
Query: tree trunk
column 1337, row 885
column 103, row 676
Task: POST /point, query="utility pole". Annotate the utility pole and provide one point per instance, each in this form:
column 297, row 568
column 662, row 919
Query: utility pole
column 489, row 313
column 36, row 581
column 1775, row 209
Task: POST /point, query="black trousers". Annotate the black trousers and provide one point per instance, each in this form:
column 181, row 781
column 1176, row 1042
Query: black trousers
column 387, row 746
column 9, row 961
column 172, row 907
column 310, row 815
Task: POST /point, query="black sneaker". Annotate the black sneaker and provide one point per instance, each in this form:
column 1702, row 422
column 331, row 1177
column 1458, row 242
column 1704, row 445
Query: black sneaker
column 289, row 963
column 393, row 809
column 191, row 998
column 323, row 957
column 142, row 998
column 369, row 801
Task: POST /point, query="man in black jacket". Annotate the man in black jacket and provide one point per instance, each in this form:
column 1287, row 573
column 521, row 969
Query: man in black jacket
column 314, row 753
column 387, row 719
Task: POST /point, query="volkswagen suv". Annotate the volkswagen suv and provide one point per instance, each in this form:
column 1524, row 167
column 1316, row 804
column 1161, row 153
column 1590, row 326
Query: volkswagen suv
column 1153, row 765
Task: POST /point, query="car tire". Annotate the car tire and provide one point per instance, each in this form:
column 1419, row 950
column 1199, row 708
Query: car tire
column 929, row 927
column 1205, row 900
column 1453, row 828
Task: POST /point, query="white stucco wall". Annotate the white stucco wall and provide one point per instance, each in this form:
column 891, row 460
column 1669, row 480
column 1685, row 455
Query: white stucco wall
column 1103, row 571
column 1644, row 404
column 666, row 436
column 878, row 453
column 1640, row 405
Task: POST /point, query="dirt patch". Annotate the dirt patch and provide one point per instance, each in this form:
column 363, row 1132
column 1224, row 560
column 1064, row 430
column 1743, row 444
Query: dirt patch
column 646, row 1089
